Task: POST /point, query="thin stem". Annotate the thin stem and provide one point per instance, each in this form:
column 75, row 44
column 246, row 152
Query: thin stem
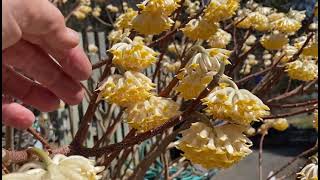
column 260, row 155
column 229, row 81
column 41, row 154
column 304, row 110
column 40, row 138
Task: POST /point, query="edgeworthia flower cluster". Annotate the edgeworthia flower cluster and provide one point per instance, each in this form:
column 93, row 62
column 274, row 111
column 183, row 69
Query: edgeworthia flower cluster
column 214, row 147
column 60, row 167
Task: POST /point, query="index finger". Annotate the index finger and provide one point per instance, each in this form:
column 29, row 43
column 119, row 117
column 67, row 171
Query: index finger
column 43, row 24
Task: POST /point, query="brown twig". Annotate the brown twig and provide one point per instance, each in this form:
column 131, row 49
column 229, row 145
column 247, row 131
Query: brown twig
column 294, row 105
column 294, row 91
column 99, row 64
column 36, row 135
column 103, row 22
column 88, row 116
column 184, row 166
column 301, row 111
column 258, row 73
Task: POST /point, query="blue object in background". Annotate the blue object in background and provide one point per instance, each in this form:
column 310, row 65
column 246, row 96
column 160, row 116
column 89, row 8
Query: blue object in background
column 257, row 79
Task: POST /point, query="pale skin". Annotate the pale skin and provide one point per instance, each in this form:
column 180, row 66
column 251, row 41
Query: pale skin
column 31, row 30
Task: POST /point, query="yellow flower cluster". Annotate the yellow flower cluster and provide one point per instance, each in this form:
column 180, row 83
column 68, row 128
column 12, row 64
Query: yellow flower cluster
column 236, row 105
column 96, row 11
column 132, row 55
column 112, row 8
column 60, row 167
column 124, row 21
column 117, row 35
column 286, row 25
column 248, row 64
column 125, row 90
column 274, row 41
column 154, row 16
column 287, row 52
column 220, row 39
column 254, row 20
column 172, row 67
column 200, row 29
column 302, row 69
column 219, row 10
column 192, row 83
column 289, row 23
column 279, row 124
column 311, row 49
column 218, row 147
column 151, row 113
column 83, row 10
column 192, row 7
column 200, row 70
column 310, row 171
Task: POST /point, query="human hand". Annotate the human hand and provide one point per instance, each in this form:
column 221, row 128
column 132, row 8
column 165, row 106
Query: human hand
column 30, row 31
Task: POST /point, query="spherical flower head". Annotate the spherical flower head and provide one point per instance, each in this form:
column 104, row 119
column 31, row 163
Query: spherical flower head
column 124, row 20
column 96, row 11
column 250, row 131
column 199, row 71
column 200, row 29
column 265, row 10
column 60, row 167
column 243, row 22
column 220, row 39
column 259, row 21
column 125, row 90
column 218, row 147
column 287, row 52
column 132, row 55
column 172, row 67
column 297, row 15
column 151, row 24
column 280, row 124
column 112, row 8
column 251, row 40
column 235, row 105
column 117, row 35
column 310, row 171
column 220, row 54
column 162, row 7
column 79, row 15
column 192, row 7
column 276, row 16
column 220, row 10
column 93, row 48
column 206, row 60
column 311, row 49
column 315, row 119
column 152, row 113
column 303, row 70
column 86, row 9
column 274, row 41
column 286, row 25
column 193, row 83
